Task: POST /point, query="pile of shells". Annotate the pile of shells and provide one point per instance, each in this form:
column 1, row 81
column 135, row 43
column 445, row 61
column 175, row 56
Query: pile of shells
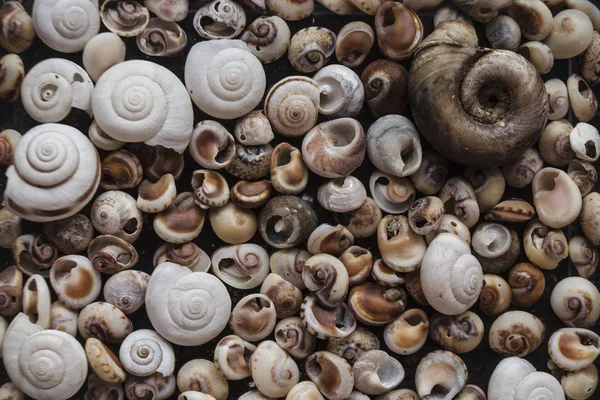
column 353, row 255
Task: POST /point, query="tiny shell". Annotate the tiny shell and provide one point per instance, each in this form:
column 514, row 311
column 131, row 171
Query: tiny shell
column 182, row 221
column 342, row 194
column 126, row 290
column 399, row 30
column 220, row 19
column 125, row 18
column 75, row 281
column 102, row 52
column 10, row 228
column 342, row 92
column 210, row 189
column 291, row 10
column 250, row 162
column 185, row 254
column 268, row 38
column 386, row 87
column 110, row 254
column 154, row 197
column 311, row 48
column 162, row 39
column 104, row 322
column 354, row 43
column 12, row 73
column 248, row 194
column 253, row 129
column 63, row 318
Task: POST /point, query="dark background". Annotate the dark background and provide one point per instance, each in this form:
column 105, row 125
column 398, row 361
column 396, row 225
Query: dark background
column 480, row 362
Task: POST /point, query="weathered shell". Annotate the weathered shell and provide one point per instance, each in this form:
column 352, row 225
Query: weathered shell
column 16, row 27
column 459, row 333
column 125, row 18
column 10, row 228
column 186, row 254
column 311, row 48
column 116, row 213
column 110, row 254
column 104, row 322
column 104, row 362
column 182, row 221
column 253, row 129
column 273, row 370
column 331, row 373
column 293, row 337
column 407, row 333
column 253, row 318
column 233, row 224
column 399, row 30
column 102, row 52
column 211, row 145
column 442, row 370
column 268, row 38
column 11, row 291
column 220, row 19
column 323, row 322
column 210, row 189
column 353, row 44
column 169, row 10
column 63, row 318
column 516, row 333
column 391, row 193
column 12, row 73
column 242, row 266
column 154, row 197
column 162, row 39
column 342, row 92
column 75, row 281
column 286, row 221
column 250, row 162
column 126, row 290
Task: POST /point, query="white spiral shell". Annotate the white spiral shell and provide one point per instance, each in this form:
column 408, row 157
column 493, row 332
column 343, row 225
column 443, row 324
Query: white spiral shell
column 516, row 379
column 140, row 101
column 224, row 79
column 186, row 308
column 66, row 25
column 144, row 352
column 44, row 364
column 54, row 86
column 451, row 277
column 56, row 173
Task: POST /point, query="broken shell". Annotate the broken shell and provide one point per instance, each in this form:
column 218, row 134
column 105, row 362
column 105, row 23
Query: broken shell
column 291, row 11
column 399, row 30
column 211, row 145
column 104, row 322
column 292, row 105
column 522, row 171
column 391, row 193
column 459, row 333
column 10, row 228
column 407, row 334
column 12, row 73
column 70, row 235
column 288, row 173
column 286, row 297
column 354, row 345
column 576, row 301
column 304, row 390
column 101, row 140
column 329, row 239
column 431, row 175
column 584, row 175
column 573, row 349
column 168, row 10
column 539, row 55
column 342, row 92
column 273, row 370
column 488, row 184
column 63, row 318
column 250, row 162
column 248, row 194
column 527, row 284
column 242, row 266
column 116, row 213
column 36, row 301
column 440, row 372
column 585, row 142
column 8, row 143
column 182, row 221
column 210, row 189
column 543, row 246
column 126, row 290
column 358, row 262
column 185, row 254
column 327, row 278
column 583, row 102
column 294, row 338
column 162, row 39
column 580, row 384
column 555, row 145
column 110, row 254
column 588, row 219
column 233, row 224
column 102, row 52
column 104, row 362
column 354, row 43
column 202, row 376
column 220, row 20
column 144, row 352
column 16, row 27
column 496, row 247
column 326, row 323
column 268, row 38
column 450, row 224
column 512, row 210
column 516, row 333
column 154, row 386
column 386, row 87
column 342, row 194
column 33, row 255
column 288, row 264
column 331, row 373
column 590, row 59
column 534, row 18
column 571, row 34
column 401, row 248
column 253, row 129
column 11, row 291
column 75, row 281
column 558, row 99
column 495, row 295
column 460, row 199
column 253, row 318
column 311, row 48
column 125, row 18
column 158, row 196
column 386, row 276
column 503, row 33
column 552, row 190
column 376, row 372
column 286, row 221
column 583, row 255
column 363, row 221
column 121, row 169
column 232, row 357
column 425, row 214
column 375, row 305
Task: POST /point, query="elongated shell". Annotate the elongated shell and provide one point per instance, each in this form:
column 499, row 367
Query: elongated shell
column 44, row 364
column 187, row 308
column 144, row 352
column 224, row 79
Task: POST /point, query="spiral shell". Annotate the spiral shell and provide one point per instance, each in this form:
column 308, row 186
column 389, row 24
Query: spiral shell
column 36, row 301
column 116, row 213
column 44, row 364
column 232, row 355
column 162, row 39
column 11, row 291
column 125, row 18
column 16, row 27
column 311, row 48
column 224, row 79
column 242, row 266
column 140, row 101
column 293, row 337
column 576, row 301
column 268, row 38
column 187, row 308
column 110, row 254
column 56, row 173
column 515, row 378
column 186, row 254
column 127, row 290
column 144, row 352
column 66, row 25
column 220, row 19
column 104, row 322
column 155, row 387
column 516, row 333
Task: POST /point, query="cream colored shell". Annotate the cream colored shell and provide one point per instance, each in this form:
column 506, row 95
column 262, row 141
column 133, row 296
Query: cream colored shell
column 102, row 52
column 144, row 352
column 75, row 281
column 516, row 379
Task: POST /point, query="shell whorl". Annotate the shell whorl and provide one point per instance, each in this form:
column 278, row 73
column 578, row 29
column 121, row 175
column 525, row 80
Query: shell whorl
column 56, row 173
column 144, row 352
column 140, row 101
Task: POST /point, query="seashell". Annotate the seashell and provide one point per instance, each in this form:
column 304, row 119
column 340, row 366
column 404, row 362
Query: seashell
column 151, row 106
column 185, row 254
column 471, row 392
column 63, row 318
column 576, row 301
column 288, row 264
column 101, row 140
column 516, row 333
column 425, row 214
column 516, row 378
column 589, row 217
column 368, row 6
column 449, row 13
column 12, row 73
column 291, row 11
column 329, row 239
column 363, row 221
column 334, row 149
column 9, row 139
column 104, row 322
column 70, row 235
column 292, row 105
column 121, row 169
column 126, row 290
column 44, row 364
column 66, row 25
column 342, row 194
column 399, row 30
column 10, row 391
column 573, row 349
column 326, row 323
column 589, row 9
column 358, row 262
column 584, row 175
column 376, row 372
column 233, row 224
column 583, row 255
column 248, row 194
column 521, row 172
column 36, row 301
column 552, row 189
column 253, row 318
column 398, row 394
column 407, row 334
column 496, row 247
column 104, row 362
column 460, row 199
column 386, row 87
column 273, row 370
column 580, row 384
column 572, row 33
column 220, row 20
column 401, row 249
column 182, row 221
column 326, row 278
column 450, row 224
column 590, row 59
column 155, row 386
column 286, row 221
column 232, row 355
column 440, row 372
column 394, row 146
column 239, row 84
column 16, row 27
column 144, row 353
column 527, row 284
column 584, row 105
column 110, row 254
column 488, row 184
column 102, row 52
column 75, row 281
column 482, row 11
column 33, row 255
column 351, row 347
column 311, row 48
column 286, row 297
column 158, row 196
column 168, row 10
column 495, row 295
column 292, row 336
column 463, row 96
column 354, row 43
column 543, row 246
column 203, row 376
column 210, row 189
column 533, row 17
column 10, row 228
column 186, row 308
column 390, row 193
column 558, row 99
column 253, row 129
column 342, row 92
column 162, row 39
column 512, row 210
column 585, row 142
column 539, row 55
column 376, row 305
column 116, row 213
column 253, row 394
column 384, row 275
column 268, row 38
column 250, row 162
column 459, row 334
column 158, row 161
column 430, row 176
column 555, row 145
column 124, row 17
column 331, row 374
column 212, row 146
column 11, row 291
column 304, row 390
column 503, row 33
column 451, row 277
column 242, row 266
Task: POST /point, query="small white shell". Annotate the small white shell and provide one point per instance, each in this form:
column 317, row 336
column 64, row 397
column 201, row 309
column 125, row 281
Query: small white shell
column 224, row 79
column 574, row 349
column 558, row 98
column 220, row 19
column 144, row 352
column 342, row 194
column 441, row 370
column 274, row 372
column 342, row 92
column 232, row 355
column 585, row 142
column 572, row 33
column 126, row 290
column 268, row 38
column 515, row 378
column 75, row 281
column 291, row 11
column 104, row 322
column 102, row 52
column 516, row 333
column 392, row 194
column 36, row 301
column 63, row 318
column 185, row 254
column 116, row 213
column 66, row 25
column 242, row 266
column 101, row 140
column 253, row 129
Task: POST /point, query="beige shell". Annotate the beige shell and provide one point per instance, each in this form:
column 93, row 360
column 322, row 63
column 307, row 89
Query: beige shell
column 202, row 376
column 534, row 18
column 211, row 145
column 516, row 378
column 571, row 34
column 63, row 318
column 342, row 92
column 169, row 10
column 327, row 278
column 516, row 333
column 10, row 228
column 590, row 59
column 585, row 142
column 110, row 254
column 288, row 263
column 400, row 247
column 359, row 263
column 459, row 334
column 126, row 290
column 220, row 20
column 556, row 197
column 124, row 18
column 116, row 213
column 102, row 52
column 182, row 221
column 154, row 197
column 331, row 373
column 342, row 194
column 521, row 172
column 101, row 140
column 554, row 144
column 558, row 99
column 582, row 98
column 407, row 333
column 460, row 199
column 185, row 254
column 391, row 193
column 584, row 174
column 232, row 355
column 162, row 39
column 376, row 372
column 273, row 370
column 9, row 138
column 75, row 281
column 156, row 385
column 253, row 129
column 20, row 33
column 583, row 255
column 495, row 296
column 12, row 73
column 576, row 301
column 210, row 189
column 33, row 254
column 543, row 246
column 304, row 390
column 326, row 323
column 293, row 337
column 354, row 345
column 104, row 322
column 288, row 172
column 11, row 291
column 36, row 301
column 441, row 370
column 103, row 362
column 144, row 352
column 242, row 266
column 233, row 224
column 573, row 349
column 580, row 384
column 539, row 55
column 268, row 38
column 286, row 297
column 363, row 221
column 353, row 44
column 329, row 239
column 253, row 318
column 10, row 391
column 489, row 185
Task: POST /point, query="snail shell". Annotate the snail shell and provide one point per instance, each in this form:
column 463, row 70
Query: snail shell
column 155, row 386
column 232, row 355
column 101, row 140
column 9, row 138
column 588, row 219
column 584, row 174
column 383, row 274
column 432, row 173
column 503, row 33
column 16, row 27
column 116, row 213
column 496, row 247
column 286, row 221
column 242, row 266
column 590, row 59
column 253, row 318
column 126, row 290
column 342, row 92
column 376, row 372
column 401, row 249
column 583, row 255
column 582, row 98
column 268, row 38
column 363, row 221
column 253, row 129
column 331, row 373
column 63, row 318
column 102, row 52
column 573, row 349
column 33, row 255
column 66, row 25
column 460, row 199
column 288, row 263
column 168, row 10
column 558, row 100
column 329, row 239
column 534, row 18
column 125, row 18
column 224, row 79
column 495, row 295
column 293, row 337
column 36, row 301
column 442, row 370
column 182, row 221
column 202, row 376
column 539, row 55
column 158, row 161
column 543, row 246
column 554, row 144
column 304, row 390
column 186, row 254
column 247, row 194
column 459, row 333
column 580, row 384
column 517, row 379
column 291, row 10
column 121, row 169
column 162, row 39
column 576, row 301
column 210, row 189
column 323, row 322
column 585, row 142
column 75, row 281
column 250, row 162
column 354, row 43
column 44, row 364
column 489, row 185
column 211, row 145
column 140, row 101
column 10, row 228
column 10, row 391
column 450, row 13
column 407, row 333
column 375, row 305
column 273, row 370
column 425, row 214
column 399, row 30
column 104, row 362
column 327, row 278
column 311, row 48
column 386, row 87
column 110, row 254
column 470, row 113
column 186, row 308
column 286, row 297
column 516, row 333
column 158, row 196
column 233, row 224
column 220, row 19
column 512, row 210
column 556, row 197
column 70, row 235
column 342, row 194
column 12, row 73
column 11, row 291
column 351, row 347
column 521, row 172
column 104, row 322
column 572, row 33
column 144, row 352
column 527, row 284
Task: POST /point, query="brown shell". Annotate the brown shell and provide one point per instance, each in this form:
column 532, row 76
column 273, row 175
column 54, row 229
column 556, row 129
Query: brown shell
column 158, row 161
column 121, row 169
column 11, row 291
column 375, row 305
column 512, row 210
column 33, row 255
column 16, row 27
column 249, row 194
column 527, row 284
column 386, row 88
column 399, row 30
column 71, row 235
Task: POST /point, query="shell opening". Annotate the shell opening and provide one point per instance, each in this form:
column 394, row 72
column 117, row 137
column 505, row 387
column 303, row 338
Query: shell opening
column 228, row 267
column 216, row 28
column 131, row 226
column 279, row 229
column 388, row 371
column 414, row 320
column 284, row 156
column 343, row 318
